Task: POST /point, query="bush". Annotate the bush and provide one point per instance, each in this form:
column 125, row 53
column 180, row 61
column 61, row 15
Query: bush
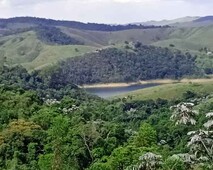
column 173, row 163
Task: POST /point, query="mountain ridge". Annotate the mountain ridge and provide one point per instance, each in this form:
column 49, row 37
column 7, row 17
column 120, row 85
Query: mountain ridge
column 169, row 22
column 32, row 21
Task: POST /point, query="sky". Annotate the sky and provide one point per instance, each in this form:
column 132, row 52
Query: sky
column 106, row 11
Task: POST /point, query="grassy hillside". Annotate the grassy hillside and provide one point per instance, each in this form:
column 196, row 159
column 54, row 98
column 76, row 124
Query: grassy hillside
column 172, row 91
column 20, row 48
column 189, row 38
column 26, row 49
column 53, row 54
column 99, row 38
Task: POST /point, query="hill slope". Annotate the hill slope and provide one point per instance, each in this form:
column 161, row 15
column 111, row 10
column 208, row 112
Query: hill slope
column 189, row 38
column 183, row 22
column 192, row 39
column 136, row 63
column 172, row 91
column 170, row 22
column 25, row 48
column 24, row 42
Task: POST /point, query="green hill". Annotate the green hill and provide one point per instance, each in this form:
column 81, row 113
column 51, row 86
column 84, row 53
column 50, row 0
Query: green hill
column 185, row 38
column 37, row 46
column 189, row 38
column 100, row 38
column 26, row 49
column 172, row 91
column 20, row 48
column 53, row 54
column 136, row 63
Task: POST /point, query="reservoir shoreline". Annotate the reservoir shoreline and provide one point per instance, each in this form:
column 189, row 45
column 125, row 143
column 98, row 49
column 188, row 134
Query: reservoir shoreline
column 157, row 81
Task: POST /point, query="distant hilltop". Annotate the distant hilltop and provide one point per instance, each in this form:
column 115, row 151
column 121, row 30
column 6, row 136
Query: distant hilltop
column 185, row 21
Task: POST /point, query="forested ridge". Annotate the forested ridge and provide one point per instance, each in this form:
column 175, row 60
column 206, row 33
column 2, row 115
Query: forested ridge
column 45, row 126
column 128, row 65
column 72, row 24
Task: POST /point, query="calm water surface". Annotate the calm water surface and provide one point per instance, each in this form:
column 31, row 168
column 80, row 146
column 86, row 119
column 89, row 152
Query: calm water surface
column 114, row 91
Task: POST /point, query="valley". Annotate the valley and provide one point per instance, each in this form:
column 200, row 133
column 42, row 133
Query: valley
column 23, row 45
column 49, row 53
column 88, row 96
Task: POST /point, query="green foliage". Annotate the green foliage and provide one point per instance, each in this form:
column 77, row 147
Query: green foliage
column 123, row 157
column 52, row 126
column 53, row 35
column 45, row 162
column 100, row 166
column 114, row 65
column 20, row 144
column 205, row 62
column 173, row 163
column 146, row 136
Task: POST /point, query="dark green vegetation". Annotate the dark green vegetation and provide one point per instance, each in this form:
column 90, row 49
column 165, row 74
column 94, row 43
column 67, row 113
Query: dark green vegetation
column 137, row 63
column 17, row 77
column 53, row 35
column 48, row 126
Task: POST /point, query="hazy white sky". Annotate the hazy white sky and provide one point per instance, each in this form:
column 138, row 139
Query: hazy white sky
column 106, row 11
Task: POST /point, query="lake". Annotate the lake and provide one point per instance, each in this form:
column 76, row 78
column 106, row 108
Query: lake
column 106, row 92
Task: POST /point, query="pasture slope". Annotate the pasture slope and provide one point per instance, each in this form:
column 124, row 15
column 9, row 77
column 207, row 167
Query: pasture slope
column 172, row 91
column 26, row 49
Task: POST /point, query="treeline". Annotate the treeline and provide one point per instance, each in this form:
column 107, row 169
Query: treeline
column 47, row 34
column 53, row 35
column 115, row 65
column 17, row 77
column 72, row 24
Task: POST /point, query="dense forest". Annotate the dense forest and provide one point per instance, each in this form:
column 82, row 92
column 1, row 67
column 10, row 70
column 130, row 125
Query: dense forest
column 48, row 127
column 129, row 65
column 17, row 77
column 72, row 24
